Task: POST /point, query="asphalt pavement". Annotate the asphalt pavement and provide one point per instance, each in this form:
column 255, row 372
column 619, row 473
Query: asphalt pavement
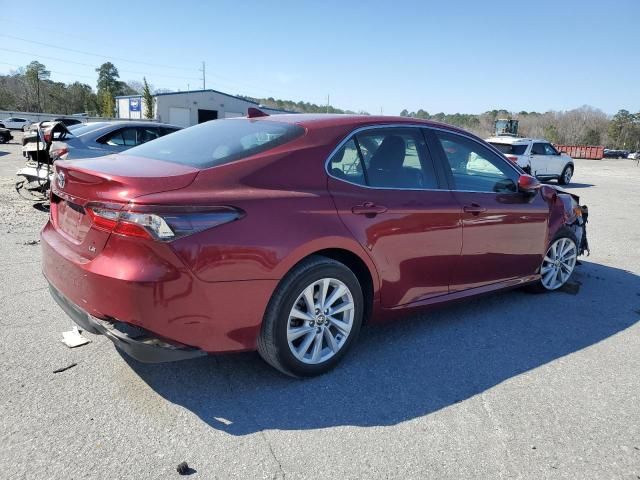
column 512, row 385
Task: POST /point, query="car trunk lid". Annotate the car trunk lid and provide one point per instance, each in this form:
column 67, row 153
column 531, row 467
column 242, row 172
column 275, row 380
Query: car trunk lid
column 112, row 181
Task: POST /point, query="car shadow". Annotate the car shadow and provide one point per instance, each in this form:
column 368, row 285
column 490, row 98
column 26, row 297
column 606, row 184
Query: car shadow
column 408, row 369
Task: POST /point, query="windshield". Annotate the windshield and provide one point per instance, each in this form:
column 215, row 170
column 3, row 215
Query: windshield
column 218, row 142
column 512, row 149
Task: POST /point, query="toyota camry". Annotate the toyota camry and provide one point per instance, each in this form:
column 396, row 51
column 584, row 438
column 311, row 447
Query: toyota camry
column 286, row 234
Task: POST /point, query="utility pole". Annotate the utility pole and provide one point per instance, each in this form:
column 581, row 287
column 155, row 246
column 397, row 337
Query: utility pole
column 327, row 103
column 204, row 76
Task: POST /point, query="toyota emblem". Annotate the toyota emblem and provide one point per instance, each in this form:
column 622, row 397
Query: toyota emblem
column 61, row 179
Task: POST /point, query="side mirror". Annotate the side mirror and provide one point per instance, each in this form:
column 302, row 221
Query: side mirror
column 528, row 184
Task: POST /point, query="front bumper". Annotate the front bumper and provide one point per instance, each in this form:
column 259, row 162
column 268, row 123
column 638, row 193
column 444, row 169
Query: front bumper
column 134, row 341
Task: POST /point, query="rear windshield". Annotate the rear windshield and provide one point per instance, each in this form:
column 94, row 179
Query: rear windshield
column 508, row 148
column 86, row 128
column 218, row 142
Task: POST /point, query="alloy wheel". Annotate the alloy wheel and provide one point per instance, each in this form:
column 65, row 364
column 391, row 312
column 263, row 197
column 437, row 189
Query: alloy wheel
column 558, row 263
column 568, row 173
column 320, row 321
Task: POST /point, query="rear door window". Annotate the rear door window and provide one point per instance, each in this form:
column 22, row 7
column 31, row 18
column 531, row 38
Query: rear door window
column 510, row 149
column 538, row 149
column 125, row 137
column 395, row 158
column 146, row 134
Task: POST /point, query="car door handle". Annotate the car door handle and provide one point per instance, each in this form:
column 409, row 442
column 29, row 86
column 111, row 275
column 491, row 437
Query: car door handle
column 474, row 209
column 368, row 208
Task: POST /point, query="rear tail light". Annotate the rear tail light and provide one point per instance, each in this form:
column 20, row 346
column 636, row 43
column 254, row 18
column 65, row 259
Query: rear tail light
column 161, row 223
column 59, row 153
column 512, row 158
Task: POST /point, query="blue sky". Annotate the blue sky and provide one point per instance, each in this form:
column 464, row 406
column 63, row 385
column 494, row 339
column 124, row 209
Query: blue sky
column 453, row 56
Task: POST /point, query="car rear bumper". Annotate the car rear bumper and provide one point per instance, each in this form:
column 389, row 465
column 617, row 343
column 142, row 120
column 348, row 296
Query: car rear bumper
column 147, row 286
column 135, row 342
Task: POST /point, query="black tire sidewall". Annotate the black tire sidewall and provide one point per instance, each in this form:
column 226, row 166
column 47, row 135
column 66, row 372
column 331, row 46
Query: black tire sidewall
column 293, row 290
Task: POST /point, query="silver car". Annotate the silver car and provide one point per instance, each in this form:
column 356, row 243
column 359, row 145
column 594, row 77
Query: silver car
column 103, row 138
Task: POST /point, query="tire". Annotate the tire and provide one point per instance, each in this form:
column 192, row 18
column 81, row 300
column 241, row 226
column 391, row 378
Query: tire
column 565, row 176
column 3, row 139
column 563, row 237
column 284, row 333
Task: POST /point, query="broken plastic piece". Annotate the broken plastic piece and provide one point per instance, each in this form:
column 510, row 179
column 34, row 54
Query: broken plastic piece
column 74, row 338
column 65, row 368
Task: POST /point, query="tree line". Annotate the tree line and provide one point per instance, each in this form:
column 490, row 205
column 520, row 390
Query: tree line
column 581, row 126
column 30, row 89
column 300, row 107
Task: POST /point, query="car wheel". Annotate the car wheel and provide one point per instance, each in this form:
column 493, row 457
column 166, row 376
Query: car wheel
column 565, row 177
column 558, row 263
column 312, row 319
column 3, row 139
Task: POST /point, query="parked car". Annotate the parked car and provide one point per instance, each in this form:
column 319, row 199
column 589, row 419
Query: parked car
column 537, row 157
column 612, row 153
column 634, row 156
column 5, row 135
column 14, row 123
column 68, row 122
column 286, row 233
column 97, row 139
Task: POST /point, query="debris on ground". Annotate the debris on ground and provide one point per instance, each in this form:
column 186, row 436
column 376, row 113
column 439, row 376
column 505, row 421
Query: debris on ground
column 184, row 469
column 65, row 368
column 32, row 242
column 73, row 338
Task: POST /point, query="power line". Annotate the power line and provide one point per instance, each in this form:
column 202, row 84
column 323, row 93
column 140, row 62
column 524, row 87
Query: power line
column 120, row 59
column 52, row 71
column 224, row 80
column 96, row 66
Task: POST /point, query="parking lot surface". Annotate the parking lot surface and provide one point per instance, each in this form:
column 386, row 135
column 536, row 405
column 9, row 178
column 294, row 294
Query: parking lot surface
column 511, row 385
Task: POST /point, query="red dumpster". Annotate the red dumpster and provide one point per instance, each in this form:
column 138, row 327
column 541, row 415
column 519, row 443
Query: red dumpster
column 582, row 151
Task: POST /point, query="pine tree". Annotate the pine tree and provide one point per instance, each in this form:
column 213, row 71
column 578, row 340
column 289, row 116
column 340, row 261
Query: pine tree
column 148, row 99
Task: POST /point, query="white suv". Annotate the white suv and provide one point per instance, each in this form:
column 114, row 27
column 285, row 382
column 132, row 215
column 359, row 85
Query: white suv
column 537, row 157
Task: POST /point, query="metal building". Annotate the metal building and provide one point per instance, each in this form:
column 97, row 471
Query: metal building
column 188, row 108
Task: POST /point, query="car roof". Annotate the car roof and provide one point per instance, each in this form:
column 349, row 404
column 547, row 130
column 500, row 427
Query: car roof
column 324, row 120
column 515, row 140
column 122, row 123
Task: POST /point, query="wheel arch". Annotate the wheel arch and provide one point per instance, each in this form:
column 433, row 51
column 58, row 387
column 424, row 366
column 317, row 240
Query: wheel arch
column 347, row 254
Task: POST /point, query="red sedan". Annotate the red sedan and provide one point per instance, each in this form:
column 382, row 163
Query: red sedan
column 287, row 233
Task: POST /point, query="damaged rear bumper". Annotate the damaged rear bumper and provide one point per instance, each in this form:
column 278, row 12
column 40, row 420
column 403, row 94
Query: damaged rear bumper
column 134, row 341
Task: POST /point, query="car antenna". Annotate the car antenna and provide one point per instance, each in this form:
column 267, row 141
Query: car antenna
column 256, row 112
